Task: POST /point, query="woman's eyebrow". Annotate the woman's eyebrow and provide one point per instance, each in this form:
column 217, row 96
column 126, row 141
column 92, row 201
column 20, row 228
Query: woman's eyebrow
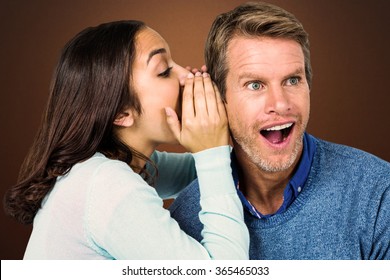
column 154, row 52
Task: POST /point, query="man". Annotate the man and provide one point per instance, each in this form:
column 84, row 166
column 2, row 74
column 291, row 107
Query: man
column 304, row 198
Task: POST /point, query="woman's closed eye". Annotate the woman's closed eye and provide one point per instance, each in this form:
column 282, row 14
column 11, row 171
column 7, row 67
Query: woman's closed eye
column 166, row 73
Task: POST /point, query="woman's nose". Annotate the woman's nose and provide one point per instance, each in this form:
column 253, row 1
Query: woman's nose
column 182, row 74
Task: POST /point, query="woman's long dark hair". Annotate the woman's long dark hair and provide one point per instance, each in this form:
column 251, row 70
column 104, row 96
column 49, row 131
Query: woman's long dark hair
column 90, row 87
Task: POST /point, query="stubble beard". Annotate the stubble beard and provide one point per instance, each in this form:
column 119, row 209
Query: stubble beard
column 247, row 142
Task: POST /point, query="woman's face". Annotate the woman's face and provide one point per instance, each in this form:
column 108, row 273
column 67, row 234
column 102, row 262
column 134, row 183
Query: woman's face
column 156, row 82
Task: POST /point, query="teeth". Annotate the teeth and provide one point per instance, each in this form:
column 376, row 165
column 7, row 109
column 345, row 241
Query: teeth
column 279, row 127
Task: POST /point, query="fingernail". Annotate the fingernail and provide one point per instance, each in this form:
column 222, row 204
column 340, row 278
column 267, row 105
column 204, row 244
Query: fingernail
column 167, row 112
column 190, row 75
column 198, row 74
column 205, row 75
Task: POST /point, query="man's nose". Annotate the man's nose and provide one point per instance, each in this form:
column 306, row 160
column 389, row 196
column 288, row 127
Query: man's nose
column 277, row 101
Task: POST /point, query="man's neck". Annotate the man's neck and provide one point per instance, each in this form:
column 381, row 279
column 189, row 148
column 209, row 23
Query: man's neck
column 263, row 189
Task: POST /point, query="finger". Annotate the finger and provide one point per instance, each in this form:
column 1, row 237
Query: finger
column 210, row 96
column 192, row 69
column 202, row 69
column 173, row 122
column 182, row 78
column 199, row 97
column 188, row 98
column 220, row 103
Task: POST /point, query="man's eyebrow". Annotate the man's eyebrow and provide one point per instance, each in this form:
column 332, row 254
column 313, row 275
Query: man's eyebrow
column 251, row 75
column 299, row 71
column 154, row 52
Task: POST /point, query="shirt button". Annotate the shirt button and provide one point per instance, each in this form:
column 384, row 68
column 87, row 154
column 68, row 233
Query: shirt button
column 299, row 189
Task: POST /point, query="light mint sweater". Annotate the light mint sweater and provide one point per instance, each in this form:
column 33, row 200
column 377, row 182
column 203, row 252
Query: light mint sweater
column 103, row 210
column 343, row 211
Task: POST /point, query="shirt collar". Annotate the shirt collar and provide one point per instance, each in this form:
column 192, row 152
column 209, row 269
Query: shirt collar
column 295, row 185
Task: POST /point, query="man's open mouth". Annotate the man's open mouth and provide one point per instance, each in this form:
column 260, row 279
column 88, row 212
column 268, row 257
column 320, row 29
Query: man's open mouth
column 277, row 134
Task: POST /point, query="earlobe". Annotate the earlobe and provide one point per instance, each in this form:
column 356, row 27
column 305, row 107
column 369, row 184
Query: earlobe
column 124, row 119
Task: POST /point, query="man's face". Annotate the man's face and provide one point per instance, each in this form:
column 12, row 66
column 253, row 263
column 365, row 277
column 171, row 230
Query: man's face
column 268, row 101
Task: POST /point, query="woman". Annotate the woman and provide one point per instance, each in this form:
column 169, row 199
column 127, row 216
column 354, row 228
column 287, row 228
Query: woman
column 114, row 99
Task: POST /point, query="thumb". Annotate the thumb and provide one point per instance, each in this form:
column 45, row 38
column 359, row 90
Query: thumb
column 173, row 122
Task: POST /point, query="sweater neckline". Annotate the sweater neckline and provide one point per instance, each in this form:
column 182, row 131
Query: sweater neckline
column 297, row 204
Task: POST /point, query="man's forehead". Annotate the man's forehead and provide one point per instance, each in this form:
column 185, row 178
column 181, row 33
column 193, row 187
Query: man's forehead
column 249, row 53
column 241, row 44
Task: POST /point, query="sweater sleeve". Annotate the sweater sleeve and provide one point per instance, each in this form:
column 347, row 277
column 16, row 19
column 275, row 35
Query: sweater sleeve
column 381, row 239
column 172, row 167
column 221, row 209
column 125, row 218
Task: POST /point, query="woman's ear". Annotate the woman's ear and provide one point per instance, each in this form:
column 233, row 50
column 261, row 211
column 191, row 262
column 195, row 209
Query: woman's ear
column 124, row 119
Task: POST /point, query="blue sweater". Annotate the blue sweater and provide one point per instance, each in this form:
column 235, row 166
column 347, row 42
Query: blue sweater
column 343, row 211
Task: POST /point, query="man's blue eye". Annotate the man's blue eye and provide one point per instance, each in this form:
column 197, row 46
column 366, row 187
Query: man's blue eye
column 254, row 86
column 294, row 81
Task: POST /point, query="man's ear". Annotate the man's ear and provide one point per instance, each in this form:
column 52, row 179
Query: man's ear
column 124, row 119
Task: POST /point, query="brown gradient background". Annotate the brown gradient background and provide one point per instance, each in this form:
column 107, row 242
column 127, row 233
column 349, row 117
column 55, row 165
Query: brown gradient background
column 350, row 57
